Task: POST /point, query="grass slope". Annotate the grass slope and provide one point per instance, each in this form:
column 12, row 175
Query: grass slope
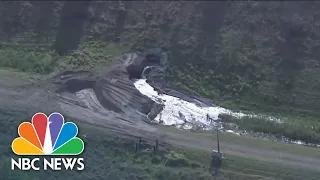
column 89, row 55
column 306, row 130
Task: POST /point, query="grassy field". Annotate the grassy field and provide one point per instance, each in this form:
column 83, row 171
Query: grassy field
column 108, row 156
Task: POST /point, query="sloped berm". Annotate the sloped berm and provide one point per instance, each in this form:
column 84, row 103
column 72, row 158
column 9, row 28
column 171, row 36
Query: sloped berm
column 111, row 92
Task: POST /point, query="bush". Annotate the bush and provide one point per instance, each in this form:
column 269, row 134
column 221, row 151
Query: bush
column 91, row 55
column 27, row 61
column 176, row 160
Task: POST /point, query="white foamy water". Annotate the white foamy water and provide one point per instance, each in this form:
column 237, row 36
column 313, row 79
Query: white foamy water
column 182, row 113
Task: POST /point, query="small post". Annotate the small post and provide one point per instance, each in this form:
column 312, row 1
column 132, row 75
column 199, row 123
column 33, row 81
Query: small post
column 136, row 147
column 135, row 152
column 218, row 142
column 140, row 142
column 216, row 158
column 157, row 144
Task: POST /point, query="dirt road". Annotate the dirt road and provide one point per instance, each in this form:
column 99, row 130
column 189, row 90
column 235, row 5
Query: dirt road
column 19, row 95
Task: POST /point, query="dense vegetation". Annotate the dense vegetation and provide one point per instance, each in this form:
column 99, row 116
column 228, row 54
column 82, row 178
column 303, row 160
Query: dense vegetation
column 248, row 55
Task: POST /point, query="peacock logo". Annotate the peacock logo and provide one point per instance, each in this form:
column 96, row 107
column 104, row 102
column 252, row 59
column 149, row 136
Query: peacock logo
column 47, row 136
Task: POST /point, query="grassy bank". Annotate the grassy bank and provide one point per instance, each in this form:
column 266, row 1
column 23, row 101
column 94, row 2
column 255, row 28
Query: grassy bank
column 307, row 131
column 111, row 157
column 247, row 141
column 89, row 55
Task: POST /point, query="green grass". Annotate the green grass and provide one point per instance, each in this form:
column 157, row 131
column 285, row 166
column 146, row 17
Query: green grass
column 27, row 60
column 90, row 55
column 307, row 131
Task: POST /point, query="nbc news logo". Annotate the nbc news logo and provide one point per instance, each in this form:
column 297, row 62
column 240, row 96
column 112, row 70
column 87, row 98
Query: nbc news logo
column 49, row 136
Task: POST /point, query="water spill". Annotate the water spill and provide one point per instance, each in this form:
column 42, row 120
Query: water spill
column 186, row 115
column 180, row 112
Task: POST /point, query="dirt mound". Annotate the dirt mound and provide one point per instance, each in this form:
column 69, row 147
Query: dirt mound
column 113, row 89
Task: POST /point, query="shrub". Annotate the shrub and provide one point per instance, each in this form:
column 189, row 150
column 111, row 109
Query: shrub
column 27, row 61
